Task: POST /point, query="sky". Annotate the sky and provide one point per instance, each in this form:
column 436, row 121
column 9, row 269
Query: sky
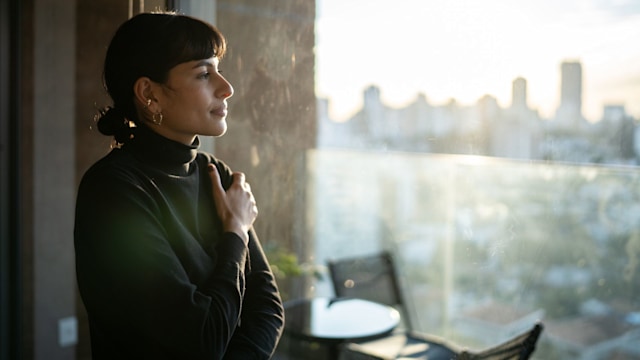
column 465, row 49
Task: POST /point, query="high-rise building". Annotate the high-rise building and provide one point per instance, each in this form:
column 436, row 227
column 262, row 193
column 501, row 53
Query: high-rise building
column 569, row 113
column 571, row 87
column 519, row 93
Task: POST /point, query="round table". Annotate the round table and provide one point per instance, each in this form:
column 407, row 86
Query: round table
column 339, row 320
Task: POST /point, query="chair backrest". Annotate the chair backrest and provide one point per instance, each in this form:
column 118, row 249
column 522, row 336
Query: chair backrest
column 519, row 347
column 371, row 277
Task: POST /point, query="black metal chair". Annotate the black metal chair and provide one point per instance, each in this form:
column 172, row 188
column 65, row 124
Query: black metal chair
column 371, row 277
column 374, row 278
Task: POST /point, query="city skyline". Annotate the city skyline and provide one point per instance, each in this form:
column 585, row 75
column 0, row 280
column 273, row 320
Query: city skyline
column 464, row 50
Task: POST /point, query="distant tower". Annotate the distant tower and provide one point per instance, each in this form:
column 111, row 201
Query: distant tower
column 571, row 88
column 570, row 111
column 519, row 93
column 515, row 134
column 374, row 113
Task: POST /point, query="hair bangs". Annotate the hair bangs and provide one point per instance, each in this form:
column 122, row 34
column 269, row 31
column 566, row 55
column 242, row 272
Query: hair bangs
column 194, row 40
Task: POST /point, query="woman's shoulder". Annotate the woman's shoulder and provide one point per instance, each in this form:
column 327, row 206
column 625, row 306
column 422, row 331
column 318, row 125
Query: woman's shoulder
column 114, row 159
column 205, row 158
column 208, row 158
column 117, row 164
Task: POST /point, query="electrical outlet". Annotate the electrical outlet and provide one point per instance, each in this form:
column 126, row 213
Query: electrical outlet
column 68, row 331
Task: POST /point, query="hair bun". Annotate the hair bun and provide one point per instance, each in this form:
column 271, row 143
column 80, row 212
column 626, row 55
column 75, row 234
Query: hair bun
column 112, row 122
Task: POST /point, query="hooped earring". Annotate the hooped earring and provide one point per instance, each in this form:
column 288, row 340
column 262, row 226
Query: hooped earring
column 158, row 120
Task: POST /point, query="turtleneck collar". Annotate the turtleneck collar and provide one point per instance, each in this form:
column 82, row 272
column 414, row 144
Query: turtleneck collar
column 165, row 154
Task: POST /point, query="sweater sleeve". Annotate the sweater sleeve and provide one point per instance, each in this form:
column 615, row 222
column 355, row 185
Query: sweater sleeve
column 134, row 287
column 262, row 318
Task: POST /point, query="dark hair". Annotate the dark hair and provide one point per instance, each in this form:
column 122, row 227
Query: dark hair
column 150, row 44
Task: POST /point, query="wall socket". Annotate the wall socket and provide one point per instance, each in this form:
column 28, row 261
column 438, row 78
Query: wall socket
column 68, row 331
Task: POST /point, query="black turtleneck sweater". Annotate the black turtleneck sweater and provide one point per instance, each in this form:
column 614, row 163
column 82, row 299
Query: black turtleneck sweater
column 157, row 275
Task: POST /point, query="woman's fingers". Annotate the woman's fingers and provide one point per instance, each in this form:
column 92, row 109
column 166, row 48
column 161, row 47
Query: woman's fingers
column 236, row 206
column 245, row 200
column 219, row 195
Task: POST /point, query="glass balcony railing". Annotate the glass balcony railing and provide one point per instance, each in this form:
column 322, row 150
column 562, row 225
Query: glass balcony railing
column 485, row 246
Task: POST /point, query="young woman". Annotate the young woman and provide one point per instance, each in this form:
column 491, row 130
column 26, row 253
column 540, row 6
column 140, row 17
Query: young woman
column 168, row 265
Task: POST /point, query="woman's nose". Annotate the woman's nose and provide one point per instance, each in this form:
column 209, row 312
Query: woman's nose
column 225, row 90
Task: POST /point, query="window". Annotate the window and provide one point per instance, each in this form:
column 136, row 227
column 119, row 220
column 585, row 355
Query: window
column 492, row 147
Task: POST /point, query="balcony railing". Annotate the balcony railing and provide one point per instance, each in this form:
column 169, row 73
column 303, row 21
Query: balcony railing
column 486, row 246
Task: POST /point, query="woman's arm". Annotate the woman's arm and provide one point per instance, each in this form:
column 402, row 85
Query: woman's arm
column 262, row 318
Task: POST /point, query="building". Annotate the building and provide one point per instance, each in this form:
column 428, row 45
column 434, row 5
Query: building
column 569, row 113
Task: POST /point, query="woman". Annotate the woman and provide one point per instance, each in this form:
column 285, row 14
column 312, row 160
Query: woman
column 168, row 265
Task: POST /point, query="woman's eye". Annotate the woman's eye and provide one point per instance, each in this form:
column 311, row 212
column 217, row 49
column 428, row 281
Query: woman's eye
column 205, row 75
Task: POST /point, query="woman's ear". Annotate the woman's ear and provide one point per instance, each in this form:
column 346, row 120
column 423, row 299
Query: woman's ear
column 143, row 92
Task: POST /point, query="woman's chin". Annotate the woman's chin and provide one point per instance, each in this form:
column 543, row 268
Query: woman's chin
column 219, row 130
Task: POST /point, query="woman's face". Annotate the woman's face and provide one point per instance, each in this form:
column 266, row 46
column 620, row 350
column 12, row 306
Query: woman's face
column 193, row 101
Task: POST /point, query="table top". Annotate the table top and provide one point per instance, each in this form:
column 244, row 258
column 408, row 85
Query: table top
column 339, row 319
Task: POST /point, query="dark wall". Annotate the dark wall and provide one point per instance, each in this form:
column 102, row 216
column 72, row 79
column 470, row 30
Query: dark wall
column 11, row 289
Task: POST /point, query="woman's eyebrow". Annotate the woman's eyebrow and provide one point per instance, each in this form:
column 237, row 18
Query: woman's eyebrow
column 203, row 63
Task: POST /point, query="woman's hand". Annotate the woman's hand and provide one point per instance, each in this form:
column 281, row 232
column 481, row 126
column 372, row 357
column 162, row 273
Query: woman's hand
column 237, row 206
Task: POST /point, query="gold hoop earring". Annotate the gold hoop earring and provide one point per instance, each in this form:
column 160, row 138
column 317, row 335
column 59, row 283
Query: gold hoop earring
column 158, row 120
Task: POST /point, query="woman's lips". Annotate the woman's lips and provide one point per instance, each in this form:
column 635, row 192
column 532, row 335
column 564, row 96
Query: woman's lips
column 221, row 111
